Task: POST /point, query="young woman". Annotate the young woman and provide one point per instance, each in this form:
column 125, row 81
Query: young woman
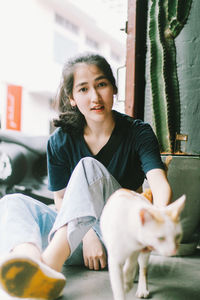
column 93, row 152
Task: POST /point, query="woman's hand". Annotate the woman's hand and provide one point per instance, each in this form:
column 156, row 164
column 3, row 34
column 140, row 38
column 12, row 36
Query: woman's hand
column 159, row 185
column 94, row 254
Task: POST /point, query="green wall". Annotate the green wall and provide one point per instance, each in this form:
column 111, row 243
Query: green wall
column 188, row 67
column 188, row 70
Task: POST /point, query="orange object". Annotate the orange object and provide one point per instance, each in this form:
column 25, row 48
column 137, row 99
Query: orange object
column 148, row 194
column 13, row 113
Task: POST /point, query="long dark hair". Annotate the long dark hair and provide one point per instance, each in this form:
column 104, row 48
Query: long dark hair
column 70, row 118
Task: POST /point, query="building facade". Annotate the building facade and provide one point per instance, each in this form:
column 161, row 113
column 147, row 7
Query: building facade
column 37, row 38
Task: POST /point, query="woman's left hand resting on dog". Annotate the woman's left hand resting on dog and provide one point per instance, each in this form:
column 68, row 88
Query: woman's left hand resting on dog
column 161, row 190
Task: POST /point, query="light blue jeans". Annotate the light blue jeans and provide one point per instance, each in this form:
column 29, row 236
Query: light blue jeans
column 24, row 219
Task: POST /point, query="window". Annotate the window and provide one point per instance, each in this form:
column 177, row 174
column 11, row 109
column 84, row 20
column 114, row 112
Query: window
column 115, row 56
column 66, row 24
column 63, row 48
column 92, row 43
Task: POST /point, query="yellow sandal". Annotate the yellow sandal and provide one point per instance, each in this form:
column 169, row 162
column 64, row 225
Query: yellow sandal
column 25, row 277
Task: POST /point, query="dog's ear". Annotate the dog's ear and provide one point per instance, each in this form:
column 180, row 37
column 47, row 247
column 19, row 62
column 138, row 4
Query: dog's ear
column 148, row 215
column 174, row 209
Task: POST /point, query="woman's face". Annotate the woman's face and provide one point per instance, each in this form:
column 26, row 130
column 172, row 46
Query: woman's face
column 92, row 93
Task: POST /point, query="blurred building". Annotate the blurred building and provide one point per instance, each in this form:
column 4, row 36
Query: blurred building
column 37, row 37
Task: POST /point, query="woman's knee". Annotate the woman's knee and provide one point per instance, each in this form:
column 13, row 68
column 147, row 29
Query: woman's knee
column 91, row 165
column 90, row 169
column 88, row 162
column 15, row 199
column 93, row 171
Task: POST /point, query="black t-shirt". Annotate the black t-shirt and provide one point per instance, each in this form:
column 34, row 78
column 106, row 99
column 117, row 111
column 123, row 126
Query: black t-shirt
column 129, row 154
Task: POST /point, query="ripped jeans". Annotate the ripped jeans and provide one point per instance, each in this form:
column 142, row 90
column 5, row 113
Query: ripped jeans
column 26, row 220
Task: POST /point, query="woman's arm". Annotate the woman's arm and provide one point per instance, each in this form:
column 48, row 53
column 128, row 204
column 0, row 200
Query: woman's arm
column 93, row 251
column 159, row 185
column 58, row 197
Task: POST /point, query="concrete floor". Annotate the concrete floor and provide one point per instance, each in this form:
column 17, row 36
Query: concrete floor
column 172, row 278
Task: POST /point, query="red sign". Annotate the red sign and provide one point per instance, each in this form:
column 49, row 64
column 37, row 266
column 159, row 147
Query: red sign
column 13, row 113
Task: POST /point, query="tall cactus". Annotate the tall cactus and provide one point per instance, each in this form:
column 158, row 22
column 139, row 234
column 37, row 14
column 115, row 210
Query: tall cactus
column 165, row 21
